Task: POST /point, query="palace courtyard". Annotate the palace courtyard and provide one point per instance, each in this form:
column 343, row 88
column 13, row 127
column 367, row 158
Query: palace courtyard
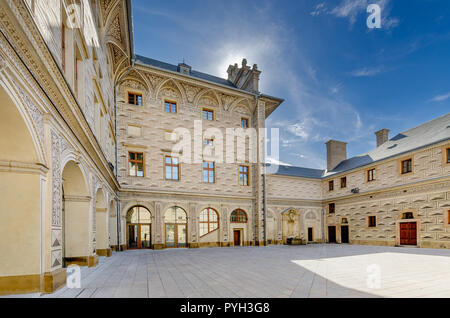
column 314, row 270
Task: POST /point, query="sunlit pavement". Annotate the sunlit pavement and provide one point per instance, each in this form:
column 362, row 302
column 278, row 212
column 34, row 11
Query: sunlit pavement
column 274, row 271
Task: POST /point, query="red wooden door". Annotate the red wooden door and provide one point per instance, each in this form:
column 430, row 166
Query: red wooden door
column 237, row 238
column 408, row 233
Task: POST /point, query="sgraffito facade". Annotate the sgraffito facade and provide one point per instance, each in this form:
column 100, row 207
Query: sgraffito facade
column 89, row 162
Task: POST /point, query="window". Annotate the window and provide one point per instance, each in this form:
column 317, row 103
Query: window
column 406, row 166
column 243, row 175
column 448, row 217
column 244, row 122
column 136, row 164
column 209, row 221
column 208, row 142
column 370, row 175
column 209, row 174
column 408, row 216
column 238, row 216
column 135, row 99
column 172, row 168
column 207, row 114
column 331, row 208
column 343, row 182
column 331, row 185
column 170, row 107
column 448, row 155
column 372, row 221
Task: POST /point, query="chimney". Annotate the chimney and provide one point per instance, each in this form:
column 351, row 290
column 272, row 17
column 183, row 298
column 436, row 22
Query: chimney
column 244, row 77
column 336, row 152
column 183, row 68
column 382, row 136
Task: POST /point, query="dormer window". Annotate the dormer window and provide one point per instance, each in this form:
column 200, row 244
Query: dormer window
column 184, row 69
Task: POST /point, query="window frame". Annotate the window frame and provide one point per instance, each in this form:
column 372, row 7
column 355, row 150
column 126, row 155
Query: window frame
column 245, row 174
column 172, row 165
column 246, row 120
column 409, row 167
column 343, row 182
column 135, row 94
column 208, row 110
column 331, row 208
column 238, row 220
column 208, row 169
column 372, row 221
column 136, row 163
column 171, row 102
column 447, row 153
column 208, row 222
column 331, row 185
column 370, row 177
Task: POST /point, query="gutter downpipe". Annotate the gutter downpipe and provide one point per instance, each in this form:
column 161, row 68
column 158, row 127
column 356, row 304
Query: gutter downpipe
column 117, row 150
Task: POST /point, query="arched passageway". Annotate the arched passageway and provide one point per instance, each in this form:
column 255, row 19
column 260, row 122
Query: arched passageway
column 139, row 228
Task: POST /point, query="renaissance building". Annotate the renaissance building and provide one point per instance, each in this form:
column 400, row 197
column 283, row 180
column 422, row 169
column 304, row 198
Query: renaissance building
column 90, row 163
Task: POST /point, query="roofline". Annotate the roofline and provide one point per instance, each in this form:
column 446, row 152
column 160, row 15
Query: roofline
column 255, row 95
column 390, row 157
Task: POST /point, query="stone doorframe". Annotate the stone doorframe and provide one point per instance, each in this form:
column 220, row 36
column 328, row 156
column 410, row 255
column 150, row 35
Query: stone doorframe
column 413, row 220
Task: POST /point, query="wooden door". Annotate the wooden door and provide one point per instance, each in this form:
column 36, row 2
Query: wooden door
column 237, row 238
column 408, row 233
column 344, row 234
column 331, row 234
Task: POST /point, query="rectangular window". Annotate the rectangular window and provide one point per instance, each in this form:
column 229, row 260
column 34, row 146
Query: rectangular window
column 448, row 155
column 448, row 217
column 331, row 185
column 136, row 164
column 172, row 168
column 170, row 107
column 370, row 175
column 209, row 173
column 343, row 182
column 243, row 175
column 331, row 208
column 207, row 114
column 244, row 122
column 372, row 221
column 135, row 99
column 406, row 166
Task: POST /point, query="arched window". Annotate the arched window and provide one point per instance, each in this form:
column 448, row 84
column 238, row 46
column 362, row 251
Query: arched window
column 209, row 221
column 175, row 215
column 238, row 216
column 139, row 215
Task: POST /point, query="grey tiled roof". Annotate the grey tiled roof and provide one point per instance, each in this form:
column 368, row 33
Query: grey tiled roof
column 434, row 131
column 429, row 133
column 292, row 171
column 174, row 68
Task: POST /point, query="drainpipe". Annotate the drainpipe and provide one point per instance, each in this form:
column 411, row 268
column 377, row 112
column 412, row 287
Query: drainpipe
column 117, row 150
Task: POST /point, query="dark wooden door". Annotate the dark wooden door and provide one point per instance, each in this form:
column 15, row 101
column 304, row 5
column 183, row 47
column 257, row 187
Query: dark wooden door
column 237, row 238
column 408, row 233
column 344, row 234
column 331, row 234
column 310, row 234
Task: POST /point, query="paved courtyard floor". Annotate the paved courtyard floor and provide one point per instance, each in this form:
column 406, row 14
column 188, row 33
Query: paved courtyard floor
column 274, row 271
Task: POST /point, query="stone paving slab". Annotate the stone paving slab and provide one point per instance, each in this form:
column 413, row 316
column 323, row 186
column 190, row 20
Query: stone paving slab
column 315, row 270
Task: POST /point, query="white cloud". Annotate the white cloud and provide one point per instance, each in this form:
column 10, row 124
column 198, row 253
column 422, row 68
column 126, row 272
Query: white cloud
column 440, row 98
column 319, row 9
column 365, row 72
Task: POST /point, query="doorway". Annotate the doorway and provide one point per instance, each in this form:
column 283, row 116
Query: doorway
column 408, row 233
column 332, row 234
column 175, row 225
column 237, row 237
column 345, row 234
column 139, row 228
column 310, row 234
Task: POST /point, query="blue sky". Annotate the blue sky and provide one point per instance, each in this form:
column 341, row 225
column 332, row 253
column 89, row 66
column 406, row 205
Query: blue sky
column 340, row 80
